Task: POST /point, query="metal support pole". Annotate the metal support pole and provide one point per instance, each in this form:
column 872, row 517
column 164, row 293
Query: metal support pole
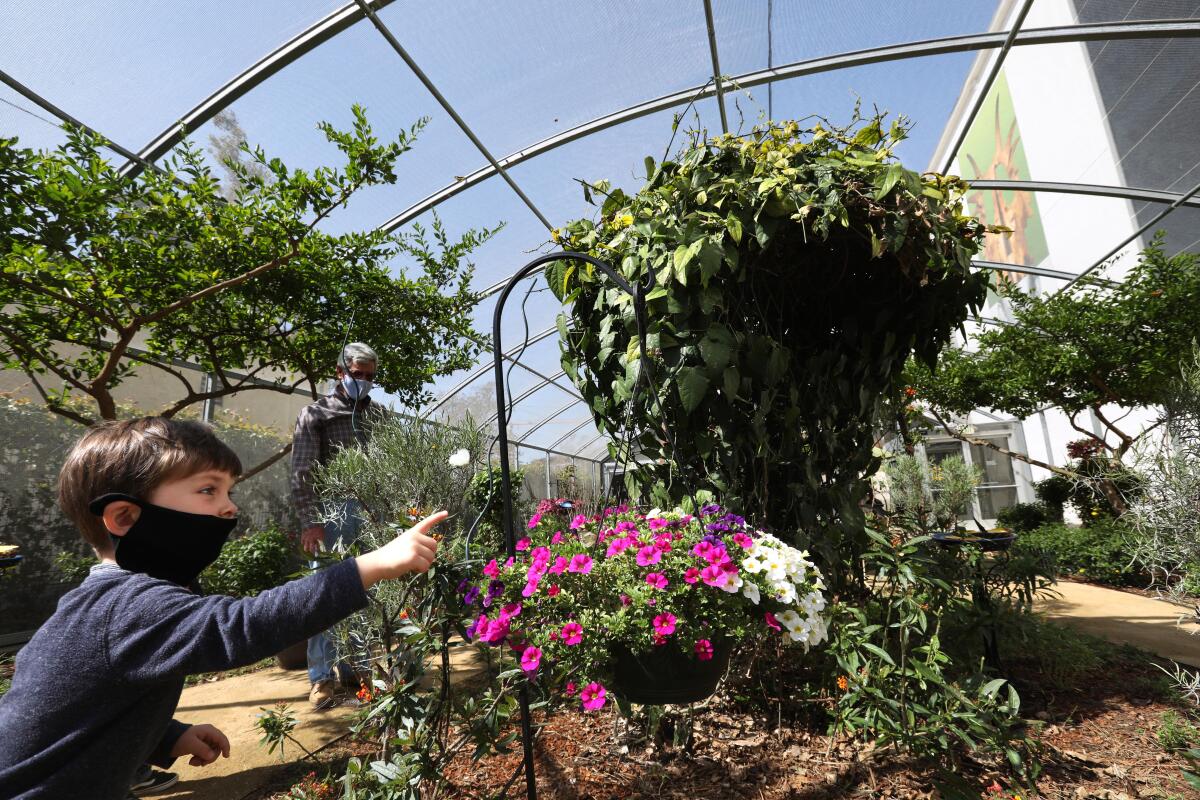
column 502, row 418
column 549, row 494
column 716, row 64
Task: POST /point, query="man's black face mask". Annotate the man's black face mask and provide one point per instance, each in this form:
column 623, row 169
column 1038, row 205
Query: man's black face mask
column 164, row 543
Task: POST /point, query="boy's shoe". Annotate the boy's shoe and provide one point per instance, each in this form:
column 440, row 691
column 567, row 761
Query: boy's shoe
column 155, row 782
column 322, row 695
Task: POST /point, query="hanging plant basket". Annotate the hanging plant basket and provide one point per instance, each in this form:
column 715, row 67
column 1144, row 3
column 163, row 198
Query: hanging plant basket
column 666, row 675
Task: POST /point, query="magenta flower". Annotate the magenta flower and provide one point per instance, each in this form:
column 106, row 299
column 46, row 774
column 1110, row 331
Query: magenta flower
column 523, row 544
column 509, row 562
column 580, row 563
column 572, row 633
column 664, row 624
column 570, row 688
column 626, row 599
column 593, row 697
column 534, row 520
column 692, row 575
column 511, row 610
column 553, row 590
column 531, row 658
column 704, row 650
column 492, row 570
column 530, row 589
column 713, row 575
column 648, row 555
column 743, row 541
column 657, row 522
column 657, row 580
column 773, row 623
column 556, row 538
column 579, row 521
column 560, row 565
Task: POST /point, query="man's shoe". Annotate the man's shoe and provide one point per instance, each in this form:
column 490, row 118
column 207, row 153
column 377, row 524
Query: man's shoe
column 322, row 695
column 153, row 783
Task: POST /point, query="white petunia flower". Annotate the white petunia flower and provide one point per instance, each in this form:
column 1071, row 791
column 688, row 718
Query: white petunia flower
column 460, row 458
column 750, row 589
column 785, row 593
column 752, row 565
column 789, row 619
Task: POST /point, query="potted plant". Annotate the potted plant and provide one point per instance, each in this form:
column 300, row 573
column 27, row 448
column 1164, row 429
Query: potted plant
column 251, row 564
column 647, row 606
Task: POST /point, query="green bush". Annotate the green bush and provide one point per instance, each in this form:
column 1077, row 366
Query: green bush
column 1053, row 493
column 252, row 564
column 1099, row 553
column 1024, row 517
column 1175, row 732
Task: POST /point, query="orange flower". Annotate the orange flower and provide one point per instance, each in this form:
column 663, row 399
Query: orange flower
column 364, row 694
column 843, row 683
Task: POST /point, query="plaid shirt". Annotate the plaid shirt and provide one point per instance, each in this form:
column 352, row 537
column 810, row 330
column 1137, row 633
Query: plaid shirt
column 323, row 428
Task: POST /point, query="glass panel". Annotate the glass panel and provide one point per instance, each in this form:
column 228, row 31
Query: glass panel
column 937, row 452
column 1114, row 10
column 997, row 467
column 993, row 501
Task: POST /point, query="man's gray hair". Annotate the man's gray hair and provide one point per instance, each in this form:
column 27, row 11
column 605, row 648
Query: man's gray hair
column 357, row 353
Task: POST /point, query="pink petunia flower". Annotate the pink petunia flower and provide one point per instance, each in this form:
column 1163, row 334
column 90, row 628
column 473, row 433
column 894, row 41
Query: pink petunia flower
column 492, row 570
column 530, row 589
column 534, row 520
column 572, row 633
column 523, row 544
column 704, row 650
column 743, row 541
column 664, row 624
column 556, row 538
column 713, row 575
column 553, row 590
column 626, row 599
column 692, row 575
column 657, row 580
column 773, row 623
column 509, row 562
column 648, row 555
column 570, row 688
column 579, row 521
column 511, row 610
column 530, row 659
column 593, row 697
column 580, row 563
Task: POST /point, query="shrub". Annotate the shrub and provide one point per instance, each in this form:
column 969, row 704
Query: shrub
column 251, row 564
column 1025, row 517
column 1053, row 493
column 1100, row 552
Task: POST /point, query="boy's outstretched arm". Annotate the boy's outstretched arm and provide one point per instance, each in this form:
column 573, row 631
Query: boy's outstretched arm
column 413, row 551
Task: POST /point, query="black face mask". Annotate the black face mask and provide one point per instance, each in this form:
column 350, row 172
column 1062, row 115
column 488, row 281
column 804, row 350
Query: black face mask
column 172, row 545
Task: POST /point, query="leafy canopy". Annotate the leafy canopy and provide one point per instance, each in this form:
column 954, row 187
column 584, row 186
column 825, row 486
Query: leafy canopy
column 102, row 276
column 1097, row 343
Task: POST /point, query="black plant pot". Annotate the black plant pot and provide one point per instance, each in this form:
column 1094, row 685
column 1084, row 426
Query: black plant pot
column 666, row 675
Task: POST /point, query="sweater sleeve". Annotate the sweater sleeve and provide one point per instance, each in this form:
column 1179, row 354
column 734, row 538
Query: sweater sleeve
column 160, row 631
column 306, row 450
column 161, row 757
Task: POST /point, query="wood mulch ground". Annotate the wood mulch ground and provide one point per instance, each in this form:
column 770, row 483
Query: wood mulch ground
column 1098, row 739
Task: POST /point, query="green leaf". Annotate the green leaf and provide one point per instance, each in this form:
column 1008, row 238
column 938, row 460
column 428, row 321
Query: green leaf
column 693, row 385
column 890, row 179
column 734, row 226
column 879, row 651
column 732, row 382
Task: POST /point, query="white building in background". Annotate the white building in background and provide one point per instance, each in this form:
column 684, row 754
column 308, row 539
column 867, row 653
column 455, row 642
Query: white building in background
column 1093, row 113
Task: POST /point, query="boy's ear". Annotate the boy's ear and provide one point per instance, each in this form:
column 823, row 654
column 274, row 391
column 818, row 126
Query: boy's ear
column 119, row 516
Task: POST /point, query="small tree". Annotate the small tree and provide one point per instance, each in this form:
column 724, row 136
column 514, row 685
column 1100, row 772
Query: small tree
column 1094, row 345
column 103, row 276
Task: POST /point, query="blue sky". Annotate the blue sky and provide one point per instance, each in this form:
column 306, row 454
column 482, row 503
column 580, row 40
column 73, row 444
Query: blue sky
column 517, row 72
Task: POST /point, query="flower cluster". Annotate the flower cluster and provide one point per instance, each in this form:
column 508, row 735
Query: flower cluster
column 581, row 586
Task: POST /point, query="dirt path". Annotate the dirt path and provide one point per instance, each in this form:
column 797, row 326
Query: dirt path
column 1126, row 618
column 232, row 705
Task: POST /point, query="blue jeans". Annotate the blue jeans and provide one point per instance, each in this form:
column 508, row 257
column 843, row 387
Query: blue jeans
column 322, row 656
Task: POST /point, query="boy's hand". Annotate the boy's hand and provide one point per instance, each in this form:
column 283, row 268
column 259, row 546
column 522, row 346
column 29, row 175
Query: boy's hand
column 312, row 538
column 203, row 743
column 411, row 551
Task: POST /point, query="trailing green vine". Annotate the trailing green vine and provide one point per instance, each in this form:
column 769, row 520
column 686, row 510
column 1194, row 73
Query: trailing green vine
column 793, row 270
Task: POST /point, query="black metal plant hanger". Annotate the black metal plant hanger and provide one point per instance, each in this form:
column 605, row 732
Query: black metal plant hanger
column 637, row 291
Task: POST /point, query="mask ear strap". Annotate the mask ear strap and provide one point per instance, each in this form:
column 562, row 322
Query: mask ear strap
column 98, row 505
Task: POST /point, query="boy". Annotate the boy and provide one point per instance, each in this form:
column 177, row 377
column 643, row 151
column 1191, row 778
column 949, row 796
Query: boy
column 95, row 688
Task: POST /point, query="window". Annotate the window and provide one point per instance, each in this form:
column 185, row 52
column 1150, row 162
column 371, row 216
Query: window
column 998, row 482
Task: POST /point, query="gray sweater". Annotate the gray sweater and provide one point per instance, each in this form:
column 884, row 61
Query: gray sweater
column 95, row 688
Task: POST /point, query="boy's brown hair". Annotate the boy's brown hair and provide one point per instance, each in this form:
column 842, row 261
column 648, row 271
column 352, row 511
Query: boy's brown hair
column 135, row 456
